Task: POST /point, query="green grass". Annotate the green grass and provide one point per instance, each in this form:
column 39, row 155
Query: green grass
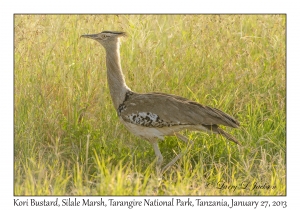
column 69, row 141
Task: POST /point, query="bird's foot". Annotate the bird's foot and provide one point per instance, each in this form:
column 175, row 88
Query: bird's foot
column 159, row 172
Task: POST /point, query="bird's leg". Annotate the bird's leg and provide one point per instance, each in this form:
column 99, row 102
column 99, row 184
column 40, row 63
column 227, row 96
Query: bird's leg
column 186, row 140
column 189, row 144
column 182, row 137
column 158, row 156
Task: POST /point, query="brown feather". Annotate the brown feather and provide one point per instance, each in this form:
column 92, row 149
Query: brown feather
column 216, row 129
column 177, row 109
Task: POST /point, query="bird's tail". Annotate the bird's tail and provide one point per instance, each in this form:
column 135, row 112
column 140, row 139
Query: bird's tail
column 228, row 136
column 216, row 129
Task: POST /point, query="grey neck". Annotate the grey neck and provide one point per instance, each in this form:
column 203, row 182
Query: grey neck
column 115, row 77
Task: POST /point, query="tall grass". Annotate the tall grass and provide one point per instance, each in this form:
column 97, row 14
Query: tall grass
column 69, row 141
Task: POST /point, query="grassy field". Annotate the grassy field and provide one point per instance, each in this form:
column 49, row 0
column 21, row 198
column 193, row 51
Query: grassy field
column 69, row 141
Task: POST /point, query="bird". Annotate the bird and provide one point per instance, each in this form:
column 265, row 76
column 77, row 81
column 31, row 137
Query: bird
column 152, row 116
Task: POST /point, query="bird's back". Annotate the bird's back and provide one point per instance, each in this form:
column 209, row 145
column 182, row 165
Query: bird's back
column 155, row 115
column 160, row 110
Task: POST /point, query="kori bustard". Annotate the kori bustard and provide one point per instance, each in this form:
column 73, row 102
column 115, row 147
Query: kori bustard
column 152, row 116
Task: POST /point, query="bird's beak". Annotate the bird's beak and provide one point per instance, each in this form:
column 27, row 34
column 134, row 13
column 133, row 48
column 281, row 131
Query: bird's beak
column 89, row 36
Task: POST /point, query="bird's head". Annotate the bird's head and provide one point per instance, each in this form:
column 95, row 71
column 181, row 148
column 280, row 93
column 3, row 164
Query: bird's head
column 106, row 38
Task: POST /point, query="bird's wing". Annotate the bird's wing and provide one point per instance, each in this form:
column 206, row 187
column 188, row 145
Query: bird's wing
column 160, row 110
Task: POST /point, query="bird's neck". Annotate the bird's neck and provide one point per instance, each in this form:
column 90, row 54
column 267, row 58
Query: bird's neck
column 115, row 77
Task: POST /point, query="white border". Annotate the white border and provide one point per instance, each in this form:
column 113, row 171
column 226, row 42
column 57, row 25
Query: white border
column 117, row 6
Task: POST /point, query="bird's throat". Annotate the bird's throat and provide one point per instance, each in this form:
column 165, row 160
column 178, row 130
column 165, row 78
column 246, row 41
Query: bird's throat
column 115, row 77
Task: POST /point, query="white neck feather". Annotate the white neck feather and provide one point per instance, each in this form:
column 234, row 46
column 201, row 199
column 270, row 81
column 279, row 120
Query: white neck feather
column 115, row 77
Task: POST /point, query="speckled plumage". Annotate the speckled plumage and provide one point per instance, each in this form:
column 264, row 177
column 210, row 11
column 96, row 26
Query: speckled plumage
column 159, row 110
